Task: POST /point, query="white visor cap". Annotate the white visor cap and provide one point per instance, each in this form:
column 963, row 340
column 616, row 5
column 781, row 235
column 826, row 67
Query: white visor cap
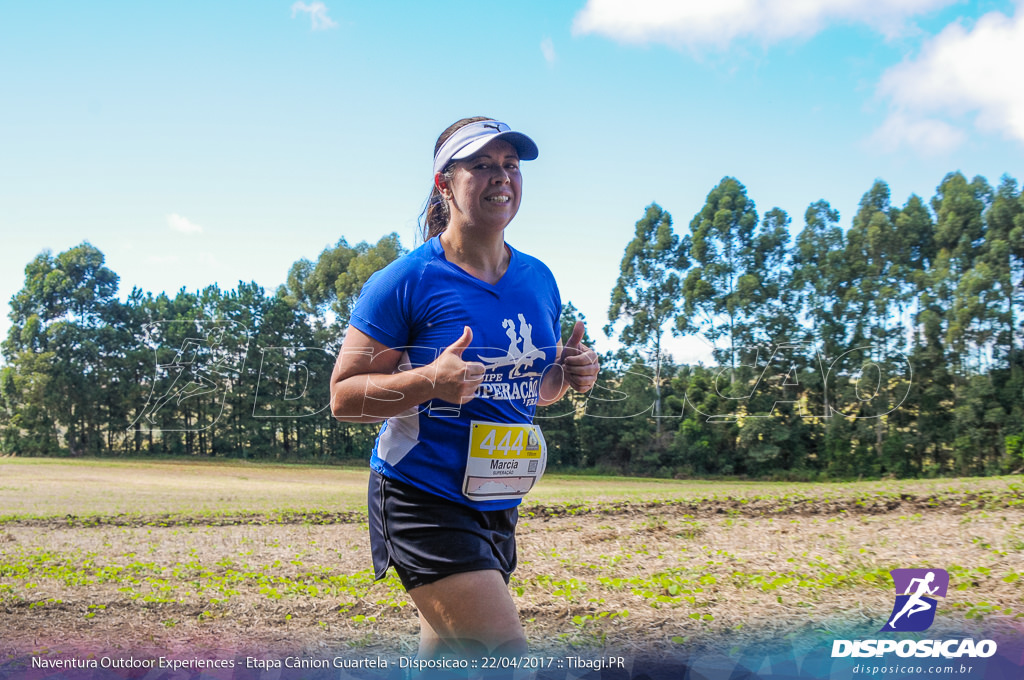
column 469, row 139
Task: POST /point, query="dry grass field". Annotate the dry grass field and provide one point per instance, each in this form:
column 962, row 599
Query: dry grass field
column 227, row 558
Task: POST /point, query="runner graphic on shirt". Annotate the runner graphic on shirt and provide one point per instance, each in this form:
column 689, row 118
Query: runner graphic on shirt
column 513, row 338
column 519, row 359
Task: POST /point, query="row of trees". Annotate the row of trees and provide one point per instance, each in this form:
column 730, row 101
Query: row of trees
column 891, row 347
column 215, row 373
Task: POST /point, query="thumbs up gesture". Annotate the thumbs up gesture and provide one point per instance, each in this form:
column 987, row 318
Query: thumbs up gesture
column 579, row 363
column 455, row 380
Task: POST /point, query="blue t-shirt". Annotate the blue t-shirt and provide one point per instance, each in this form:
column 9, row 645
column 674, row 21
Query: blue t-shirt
column 420, row 303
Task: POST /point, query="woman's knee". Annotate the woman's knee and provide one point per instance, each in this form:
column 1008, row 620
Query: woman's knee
column 473, row 611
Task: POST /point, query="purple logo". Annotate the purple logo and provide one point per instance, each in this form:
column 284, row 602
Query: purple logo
column 914, row 610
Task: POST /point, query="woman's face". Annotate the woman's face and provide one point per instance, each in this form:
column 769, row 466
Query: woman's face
column 485, row 188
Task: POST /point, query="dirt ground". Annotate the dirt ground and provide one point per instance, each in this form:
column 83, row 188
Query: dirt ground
column 651, row 578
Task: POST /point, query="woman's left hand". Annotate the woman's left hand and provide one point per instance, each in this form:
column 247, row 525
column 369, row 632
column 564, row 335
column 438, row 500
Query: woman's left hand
column 579, row 362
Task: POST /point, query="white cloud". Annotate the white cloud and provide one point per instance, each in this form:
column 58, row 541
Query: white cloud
column 928, row 136
column 547, row 48
column 182, row 225
column 317, row 14
column 961, row 72
column 698, row 23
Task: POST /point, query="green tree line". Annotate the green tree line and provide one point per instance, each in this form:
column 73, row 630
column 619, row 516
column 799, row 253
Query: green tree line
column 893, row 347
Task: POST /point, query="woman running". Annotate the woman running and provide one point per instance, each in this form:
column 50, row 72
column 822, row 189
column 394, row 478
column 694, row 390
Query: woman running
column 454, row 346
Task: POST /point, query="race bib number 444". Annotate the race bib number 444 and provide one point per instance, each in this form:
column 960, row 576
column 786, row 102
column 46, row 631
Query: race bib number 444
column 504, row 460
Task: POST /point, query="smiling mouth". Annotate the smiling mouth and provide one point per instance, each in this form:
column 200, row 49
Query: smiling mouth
column 499, row 199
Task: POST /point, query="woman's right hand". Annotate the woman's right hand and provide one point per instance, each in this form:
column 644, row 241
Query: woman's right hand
column 456, row 380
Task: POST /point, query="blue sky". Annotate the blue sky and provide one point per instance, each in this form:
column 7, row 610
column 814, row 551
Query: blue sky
column 197, row 143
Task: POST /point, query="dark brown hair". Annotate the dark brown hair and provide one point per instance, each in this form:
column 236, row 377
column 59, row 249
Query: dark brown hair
column 434, row 218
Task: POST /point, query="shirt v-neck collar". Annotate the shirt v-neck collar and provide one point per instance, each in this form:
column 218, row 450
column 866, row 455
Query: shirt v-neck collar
column 495, row 288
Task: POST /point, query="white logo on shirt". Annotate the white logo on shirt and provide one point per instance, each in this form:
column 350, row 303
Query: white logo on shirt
column 522, row 383
column 519, row 359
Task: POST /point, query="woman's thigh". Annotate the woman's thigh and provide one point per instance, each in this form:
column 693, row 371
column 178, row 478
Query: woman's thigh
column 472, row 612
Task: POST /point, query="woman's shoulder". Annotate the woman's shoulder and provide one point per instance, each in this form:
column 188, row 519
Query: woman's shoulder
column 406, row 267
column 529, row 262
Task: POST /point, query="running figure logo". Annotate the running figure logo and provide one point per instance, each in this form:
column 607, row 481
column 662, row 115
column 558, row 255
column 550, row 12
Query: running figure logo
column 518, row 358
column 914, row 610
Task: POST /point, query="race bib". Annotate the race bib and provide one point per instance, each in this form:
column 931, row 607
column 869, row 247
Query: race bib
column 504, row 460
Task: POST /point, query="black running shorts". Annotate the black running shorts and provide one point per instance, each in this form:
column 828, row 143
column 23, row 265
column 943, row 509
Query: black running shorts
column 426, row 537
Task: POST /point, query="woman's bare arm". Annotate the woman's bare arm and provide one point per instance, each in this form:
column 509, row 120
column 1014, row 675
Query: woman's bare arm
column 367, row 387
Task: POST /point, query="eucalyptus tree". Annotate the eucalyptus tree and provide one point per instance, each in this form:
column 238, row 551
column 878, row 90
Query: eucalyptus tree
column 744, row 289
column 779, row 436
column 820, row 282
column 988, row 411
column 1003, row 258
column 876, row 263
column 959, row 208
column 774, row 299
column 716, row 295
column 647, row 292
column 892, row 309
column 904, row 449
